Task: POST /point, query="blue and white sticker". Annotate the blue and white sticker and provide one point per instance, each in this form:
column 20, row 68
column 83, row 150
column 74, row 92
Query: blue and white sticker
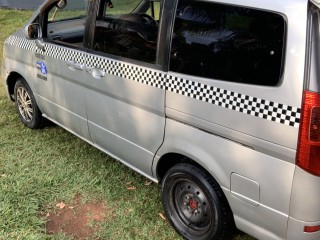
column 41, row 66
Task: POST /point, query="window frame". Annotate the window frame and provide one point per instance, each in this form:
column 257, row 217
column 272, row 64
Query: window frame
column 44, row 21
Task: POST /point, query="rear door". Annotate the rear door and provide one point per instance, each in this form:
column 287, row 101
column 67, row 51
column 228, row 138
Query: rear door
column 125, row 103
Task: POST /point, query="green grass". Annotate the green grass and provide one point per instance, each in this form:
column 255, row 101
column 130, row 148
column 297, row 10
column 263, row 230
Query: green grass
column 41, row 167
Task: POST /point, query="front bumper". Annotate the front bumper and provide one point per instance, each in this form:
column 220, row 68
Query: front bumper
column 4, row 77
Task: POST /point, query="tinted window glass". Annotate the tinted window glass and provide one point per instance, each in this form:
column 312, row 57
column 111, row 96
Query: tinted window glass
column 128, row 29
column 227, row 43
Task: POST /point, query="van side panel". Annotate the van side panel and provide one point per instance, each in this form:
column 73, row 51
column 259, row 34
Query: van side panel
column 238, row 129
column 61, row 96
column 25, row 66
column 221, row 158
column 244, row 132
column 270, row 113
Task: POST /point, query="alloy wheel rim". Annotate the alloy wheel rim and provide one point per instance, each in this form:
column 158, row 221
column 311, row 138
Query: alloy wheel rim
column 24, row 104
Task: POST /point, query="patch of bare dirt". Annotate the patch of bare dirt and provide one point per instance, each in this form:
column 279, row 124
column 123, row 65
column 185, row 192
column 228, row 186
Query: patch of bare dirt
column 76, row 220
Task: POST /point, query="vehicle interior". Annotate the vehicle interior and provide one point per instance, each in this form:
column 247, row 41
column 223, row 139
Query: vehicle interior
column 119, row 31
column 128, row 34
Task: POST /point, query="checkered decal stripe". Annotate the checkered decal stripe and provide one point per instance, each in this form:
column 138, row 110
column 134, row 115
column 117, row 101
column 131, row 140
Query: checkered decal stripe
column 131, row 72
column 253, row 106
column 271, row 111
column 21, row 43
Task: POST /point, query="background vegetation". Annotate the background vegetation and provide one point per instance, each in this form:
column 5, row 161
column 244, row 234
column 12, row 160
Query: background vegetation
column 39, row 168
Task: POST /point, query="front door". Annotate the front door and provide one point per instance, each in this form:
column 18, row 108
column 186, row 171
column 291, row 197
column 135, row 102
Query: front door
column 125, row 103
column 60, row 85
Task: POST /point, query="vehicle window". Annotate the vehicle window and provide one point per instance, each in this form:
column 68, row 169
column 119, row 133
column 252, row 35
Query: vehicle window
column 154, row 10
column 128, row 29
column 228, row 43
column 67, row 24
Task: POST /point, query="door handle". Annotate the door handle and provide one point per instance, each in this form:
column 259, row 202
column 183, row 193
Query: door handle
column 56, row 38
column 40, row 44
column 97, row 73
column 74, row 65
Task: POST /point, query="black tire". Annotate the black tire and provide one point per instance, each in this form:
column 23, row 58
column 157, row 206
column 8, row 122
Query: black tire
column 194, row 204
column 26, row 105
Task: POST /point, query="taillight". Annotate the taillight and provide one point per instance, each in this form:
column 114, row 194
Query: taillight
column 308, row 152
column 310, row 229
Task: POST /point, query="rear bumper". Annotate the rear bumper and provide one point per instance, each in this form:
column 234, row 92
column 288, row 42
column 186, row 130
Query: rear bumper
column 304, row 206
column 296, row 230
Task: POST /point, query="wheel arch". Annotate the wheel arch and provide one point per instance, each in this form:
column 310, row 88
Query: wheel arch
column 11, row 81
column 186, row 143
column 169, row 160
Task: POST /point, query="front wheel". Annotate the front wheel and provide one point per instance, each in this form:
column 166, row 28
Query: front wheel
column 195, row 204
column 26, row 105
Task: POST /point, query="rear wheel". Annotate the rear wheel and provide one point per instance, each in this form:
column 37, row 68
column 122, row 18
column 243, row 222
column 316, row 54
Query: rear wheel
column 26, row 105
column 195, row 204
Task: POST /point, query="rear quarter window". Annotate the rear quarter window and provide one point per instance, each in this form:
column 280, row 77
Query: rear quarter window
column 229, row 43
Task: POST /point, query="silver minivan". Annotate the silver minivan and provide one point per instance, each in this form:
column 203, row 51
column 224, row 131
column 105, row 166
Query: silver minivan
column 217, row 100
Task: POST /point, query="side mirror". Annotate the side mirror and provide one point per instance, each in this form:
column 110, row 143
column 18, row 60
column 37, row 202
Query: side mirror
column 32, row 31
column 61, row 4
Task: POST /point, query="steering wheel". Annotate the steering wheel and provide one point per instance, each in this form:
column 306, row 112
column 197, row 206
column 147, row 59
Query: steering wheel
column 148, row 19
